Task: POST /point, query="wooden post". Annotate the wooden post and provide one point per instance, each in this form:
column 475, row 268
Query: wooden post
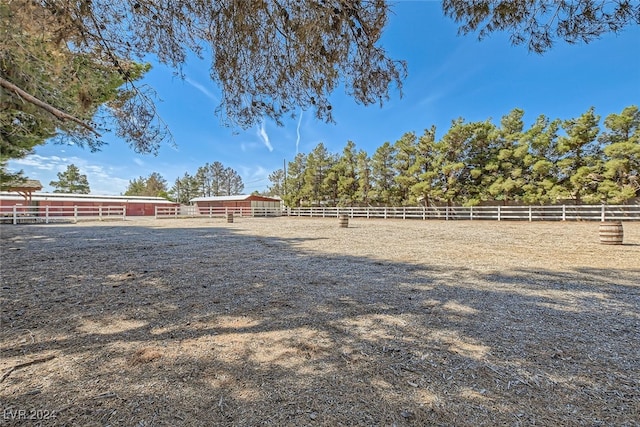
column 100, row 213
column 602, row 213
column 499, row 213
column 46, row 214
column 564, row 212
column 15, row 214
column 530, row 214
column 471, row 214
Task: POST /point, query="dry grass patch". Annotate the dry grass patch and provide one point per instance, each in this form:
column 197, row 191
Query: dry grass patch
column 287, row 321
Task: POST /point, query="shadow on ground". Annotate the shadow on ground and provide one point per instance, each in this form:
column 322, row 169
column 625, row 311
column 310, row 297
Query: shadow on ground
column 207, row 326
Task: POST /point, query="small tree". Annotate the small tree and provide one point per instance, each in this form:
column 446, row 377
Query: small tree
column 152, row 186
column 71, row 181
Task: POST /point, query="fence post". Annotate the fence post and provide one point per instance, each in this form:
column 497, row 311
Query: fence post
column 530, row 214
column 564, row 212
column 471, row 213
column 499, row 213
column 446, row 213
column 46, row 214
column 75, row 214
column 155, row 211
column 124, row 213
column 602, row 215
column 385, row 212
column 100, row 213
column 404, row 212
column 15, row 214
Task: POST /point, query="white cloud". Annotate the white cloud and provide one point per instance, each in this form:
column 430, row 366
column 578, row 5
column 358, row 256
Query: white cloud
column 104, row 180
column 138, row 161
column 37, row 162
column 262, row 133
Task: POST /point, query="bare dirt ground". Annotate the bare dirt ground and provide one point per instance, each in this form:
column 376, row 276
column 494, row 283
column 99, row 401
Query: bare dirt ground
column 288, row 321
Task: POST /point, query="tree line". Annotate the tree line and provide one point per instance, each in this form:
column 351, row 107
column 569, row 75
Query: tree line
column 476, row 162
column 209, row 180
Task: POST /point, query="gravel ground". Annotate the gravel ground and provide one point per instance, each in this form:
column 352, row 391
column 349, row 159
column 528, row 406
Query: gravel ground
column 295, row 321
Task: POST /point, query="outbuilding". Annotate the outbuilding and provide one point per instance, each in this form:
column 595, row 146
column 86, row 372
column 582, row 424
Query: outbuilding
column 243, row 204
column 135, row 205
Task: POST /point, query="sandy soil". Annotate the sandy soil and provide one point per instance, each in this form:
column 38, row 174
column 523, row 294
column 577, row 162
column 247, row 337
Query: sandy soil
column 295, row 321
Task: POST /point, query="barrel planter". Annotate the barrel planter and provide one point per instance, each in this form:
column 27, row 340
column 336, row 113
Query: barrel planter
column 611, row 233
column 229, row 217
column 343, row 221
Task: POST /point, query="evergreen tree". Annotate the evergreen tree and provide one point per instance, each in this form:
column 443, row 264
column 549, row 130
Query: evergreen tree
column 508, row 163
column 346, row 169
column 184, row 189
column 405, row 158
column 152, row 186
column 231, row 183
column 318, row 164
column 217, row 176
column 541, row 162
column 71, row 181
column 383, row 175
column 619, row 180
column 450, row 162
column 203, row 178
column 424, row 167
column 364, row 191
column 277, row 184
column 294, row 182
column 580, row 155
column 537, row 23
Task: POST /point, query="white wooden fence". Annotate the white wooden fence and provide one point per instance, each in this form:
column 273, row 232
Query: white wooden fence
column 19, row 214
column 46, row 214
column 211, row 211
column 499, row 213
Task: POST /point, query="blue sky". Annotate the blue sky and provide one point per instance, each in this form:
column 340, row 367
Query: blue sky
column 449, row 76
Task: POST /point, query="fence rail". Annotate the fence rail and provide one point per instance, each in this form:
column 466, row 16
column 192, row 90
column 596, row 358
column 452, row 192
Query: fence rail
column 19, row 214
column 499, row 213
column 211, row 211
column 46, row 214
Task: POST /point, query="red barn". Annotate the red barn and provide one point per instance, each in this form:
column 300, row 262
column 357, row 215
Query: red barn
column 244, row 204
column 135, row 205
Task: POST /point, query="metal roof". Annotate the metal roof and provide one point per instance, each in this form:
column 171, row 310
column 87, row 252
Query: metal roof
column 221, row 198
column 63, row 197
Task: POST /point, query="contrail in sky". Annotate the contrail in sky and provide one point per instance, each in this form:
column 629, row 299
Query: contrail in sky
column 298, row 132
column 202, row 89
column 265, row 138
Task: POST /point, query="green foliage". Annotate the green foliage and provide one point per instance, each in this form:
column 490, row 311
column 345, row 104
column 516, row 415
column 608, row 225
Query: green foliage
column 276, row 188
column 51, row 91
column 209, row 180
column 479, row 162
column 71, row 181
column 383, row 175
column 152, row 186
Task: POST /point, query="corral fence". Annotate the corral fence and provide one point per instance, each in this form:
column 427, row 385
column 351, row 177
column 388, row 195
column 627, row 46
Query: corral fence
column 496, row 213
column 214, row 211
column 19, row 214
